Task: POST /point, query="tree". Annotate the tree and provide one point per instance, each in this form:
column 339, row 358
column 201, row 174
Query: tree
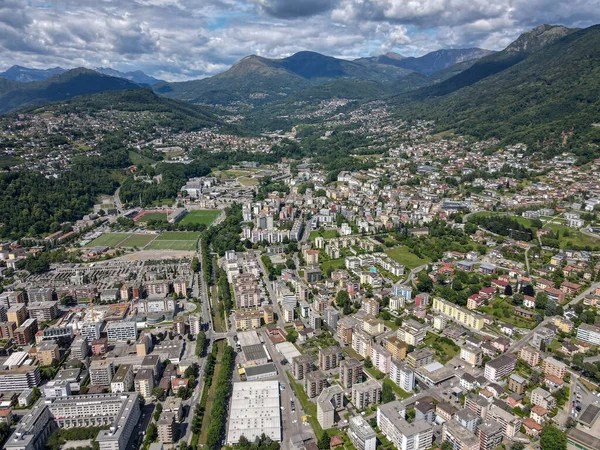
column 508, row 290
column 517, row 299
column 368, row 364
column 387, row 392
column 517, row 446
column 342, row 299
column 157, row 411
column 324, row 442
column 552, row 438
column 159, row 393
column 292, row 336
column 528, row 290
column 541, row 299
column 152, row 433
column 195, row 264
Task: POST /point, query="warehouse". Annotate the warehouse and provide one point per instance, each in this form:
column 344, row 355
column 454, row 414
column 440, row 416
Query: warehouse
column 254, row 410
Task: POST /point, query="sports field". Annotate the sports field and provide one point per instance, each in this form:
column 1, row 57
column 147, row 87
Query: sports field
column 204, row 216
column 147, row 217
column 109, row 239
column 175, row 240
column 138, row 240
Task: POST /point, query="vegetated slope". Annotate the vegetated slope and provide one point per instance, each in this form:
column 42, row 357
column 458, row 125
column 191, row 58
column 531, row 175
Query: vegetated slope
column 260, row 80
column 7, row 85
column 551, row 91
column 61, row 87
column 173, row 113
column 441, row 59
column 137, row 76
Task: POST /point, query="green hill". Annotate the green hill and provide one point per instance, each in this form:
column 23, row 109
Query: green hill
column 60, row 87
column 534, row 99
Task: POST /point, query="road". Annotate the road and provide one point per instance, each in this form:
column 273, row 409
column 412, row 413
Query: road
column 585, row 293
column 521, row 342
column 271, row 293
column 291, row 422
column 118, row 203
column 413, row 273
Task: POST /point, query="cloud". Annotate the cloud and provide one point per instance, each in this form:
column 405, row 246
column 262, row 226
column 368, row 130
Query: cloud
column 186, row 39
column 288, row 9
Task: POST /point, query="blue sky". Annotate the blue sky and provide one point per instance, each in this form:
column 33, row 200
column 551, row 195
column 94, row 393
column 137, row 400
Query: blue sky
column 187, row 39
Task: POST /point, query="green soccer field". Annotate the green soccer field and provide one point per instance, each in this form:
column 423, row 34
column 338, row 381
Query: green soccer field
column 205, row 216
column 153, row 216
column 138, row 240
column 172, row 245
column 109, row 239
column 178, row 236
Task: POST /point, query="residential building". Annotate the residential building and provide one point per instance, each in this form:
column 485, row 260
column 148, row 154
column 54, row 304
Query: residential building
column 460, row 315
column 328, row 357
column 402, row 375
column 101, row 372
column 47, row 352
column 530, row 355
column 17, row 313
column 362, row 436
column 351, row 372
column 314, row 383
column 499, row 367
column 247, row 320
column 17, row 379
column 471, row 354
column 419, row 358
column 510, row 423
column 330, row 400
column 468, row 419
column 25, row 334
column 121, row 331
column 371, row 306
column 460, row 437
column 144, row 383
column 381, row 358
column 554, row 367
column 517, row 384
column 543, row 398
column 301, row 365
column 166, row 427
column 43, row 311
column 403, row 435
column 396, row 347
column 412, row 332
column 123, row 379
column 366, row 394
column 490, row 435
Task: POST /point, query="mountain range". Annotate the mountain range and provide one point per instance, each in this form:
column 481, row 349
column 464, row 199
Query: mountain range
column 27, row 75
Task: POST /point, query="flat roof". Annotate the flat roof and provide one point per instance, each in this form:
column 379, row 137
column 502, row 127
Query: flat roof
column 581, row 437
column 589, row 416
column 254, row 352
column 246, row 338
column 255, row 409
column 263, row 369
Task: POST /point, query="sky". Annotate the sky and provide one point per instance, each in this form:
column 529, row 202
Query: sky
column 177, row 40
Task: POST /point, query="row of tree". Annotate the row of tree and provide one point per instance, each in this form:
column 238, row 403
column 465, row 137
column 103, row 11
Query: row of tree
column 218, row 415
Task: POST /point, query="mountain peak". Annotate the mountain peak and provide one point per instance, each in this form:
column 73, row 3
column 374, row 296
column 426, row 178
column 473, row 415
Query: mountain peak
column 538, row 38
column 394, row 55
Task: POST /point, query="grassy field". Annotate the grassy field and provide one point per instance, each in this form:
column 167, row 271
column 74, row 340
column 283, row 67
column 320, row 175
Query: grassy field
column 504, row 311
column 327, row 234
column 444, row 351
column 404, row 256
column 109, row 239
column 179, row 236
column 334, row 264
column 138, row 159
column 247, row 181
column 574, row 237
column 153, row 216
column 161, row 244
column 211, row 393
column 138, row 240
column 205, row 216
column 398, row 390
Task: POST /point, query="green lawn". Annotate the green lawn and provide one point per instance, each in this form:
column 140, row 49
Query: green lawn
column 398, row 390
column 327, row 234
column 153, row 216
column 310, row 408
column 178, row 236
column 172, row 245
column 443, row 350
column 334, row 264
column 504, row 312
column 138, row 240
column 109, row 239
column 574, row 237
column 404, row 256
column 205, row 217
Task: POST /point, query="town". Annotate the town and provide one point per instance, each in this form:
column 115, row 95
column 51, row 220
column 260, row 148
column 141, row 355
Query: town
column 442, row 294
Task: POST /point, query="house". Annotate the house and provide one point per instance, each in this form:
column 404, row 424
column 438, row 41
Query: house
column 500, row 285
column 570, row 288
column 539, row 414
column 529, row 301
column 532, row 428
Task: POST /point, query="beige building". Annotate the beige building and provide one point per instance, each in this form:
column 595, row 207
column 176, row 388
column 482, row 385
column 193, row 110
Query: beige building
column 552, row 366
column 396, row 347
column 460, row 315
column 247, row 320
column 48, row 352
column 530, row 355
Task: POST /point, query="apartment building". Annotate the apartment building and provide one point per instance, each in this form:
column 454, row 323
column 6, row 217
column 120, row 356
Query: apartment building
column 403, row 435
column 370, row 306
column 166, row 427
column 366, row 394
column 510, row 423
column 588, row 333
column 330, row 400
column 47, row 352
column 396, row 347
column 328, row 357
column 123, row 379
column 543, row 398
column 517, row 384
column 144, row 383
column 121, row 331
column 420, row 357
column 471, row 355
column 351, row 372
column 314, row 383
column 43, row 311
column 301, row 366
column 361, row 343
column 530, row 355
column 552, row 366
column 35, row 295
column 19, row 378
column 402, row 375
column 458, row 314
column 360, row 433
column 101, row 373
column 490, row 435
column 247, row 320
column 17, row 314
column 412, row 332
column 381, row 358
column 25, row 334
column 459, row 436
column 499, row 367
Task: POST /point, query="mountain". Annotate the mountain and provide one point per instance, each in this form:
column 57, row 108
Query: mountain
column 538, row 38
column 8, row 85
column 61, row 87
column 26, row 75
column 173, row 113
column 431, row 62
column 259, row 79
column 547, row 97
column 136, row 76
